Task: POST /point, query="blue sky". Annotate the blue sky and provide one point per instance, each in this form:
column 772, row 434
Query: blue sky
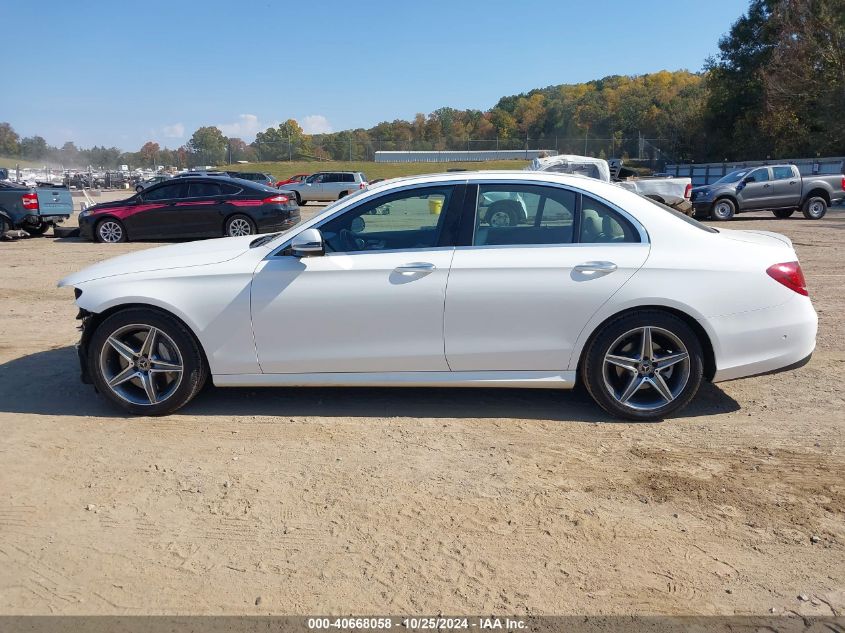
column 121, row 73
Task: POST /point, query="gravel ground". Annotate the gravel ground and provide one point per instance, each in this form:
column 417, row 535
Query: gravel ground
column 415, row 501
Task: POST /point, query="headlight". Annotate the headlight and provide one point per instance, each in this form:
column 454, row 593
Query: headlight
column 85, row 212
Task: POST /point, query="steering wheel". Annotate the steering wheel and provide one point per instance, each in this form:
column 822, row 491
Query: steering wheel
column 350, row 241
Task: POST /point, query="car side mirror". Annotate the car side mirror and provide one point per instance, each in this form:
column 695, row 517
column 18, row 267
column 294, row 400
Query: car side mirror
column 308, row 243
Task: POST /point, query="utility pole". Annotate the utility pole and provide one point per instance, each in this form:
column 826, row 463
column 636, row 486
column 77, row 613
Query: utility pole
column 350, row 148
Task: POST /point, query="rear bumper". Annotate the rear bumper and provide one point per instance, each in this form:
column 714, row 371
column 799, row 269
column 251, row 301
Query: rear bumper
column 272, row 224
column 763, row 341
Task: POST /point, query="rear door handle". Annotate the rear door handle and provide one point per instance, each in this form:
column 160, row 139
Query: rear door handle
column 596, row 267
column 415, row 267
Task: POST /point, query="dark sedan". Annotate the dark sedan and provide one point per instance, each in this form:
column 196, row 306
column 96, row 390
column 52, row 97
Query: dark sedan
column 192, row 208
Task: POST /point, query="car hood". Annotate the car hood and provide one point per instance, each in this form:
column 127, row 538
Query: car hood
column 200, row 253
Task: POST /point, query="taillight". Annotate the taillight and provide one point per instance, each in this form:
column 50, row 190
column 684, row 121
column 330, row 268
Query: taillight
column 790, row 275
column 30, row 201
column 363, row 185
column 276, row 200
column 688, row 191
column 843, row 183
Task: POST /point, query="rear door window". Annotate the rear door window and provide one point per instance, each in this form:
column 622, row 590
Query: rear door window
column 782, row 173
column 203, row 189
column 229, row 190
column 601, row 225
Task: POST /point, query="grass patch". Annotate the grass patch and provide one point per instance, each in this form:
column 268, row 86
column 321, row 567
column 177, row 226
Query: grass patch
column 10, row 163
column 372, row 170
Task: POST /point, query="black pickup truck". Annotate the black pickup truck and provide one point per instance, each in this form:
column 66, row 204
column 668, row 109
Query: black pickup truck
column 778, row 188
column 33, row 209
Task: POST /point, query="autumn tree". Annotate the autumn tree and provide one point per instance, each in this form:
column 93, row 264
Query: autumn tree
column 149, row 152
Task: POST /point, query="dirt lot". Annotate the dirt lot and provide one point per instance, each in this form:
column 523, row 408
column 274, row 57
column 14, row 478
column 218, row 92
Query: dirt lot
column 415, row 501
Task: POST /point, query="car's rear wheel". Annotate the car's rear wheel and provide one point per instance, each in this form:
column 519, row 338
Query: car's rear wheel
column 342, row 195
column 299, row 201
column 723, row 209
column 110, row 231
column 643, row 366
column 782, row 214
column 4, row 225
column 39, row 229
column 815, row 208
column 239, row 225
column 146, row 362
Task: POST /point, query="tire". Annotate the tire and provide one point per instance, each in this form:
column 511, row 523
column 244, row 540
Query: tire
column 342, row 195
column 723, row 209
column 782, row 214
column 110, row 231
column 37, row 231
column 127, row 365
column 299, row 201
column 4, row 225
column 609, row 381
column 502, row 214
column 814, row 208
column 239, row 225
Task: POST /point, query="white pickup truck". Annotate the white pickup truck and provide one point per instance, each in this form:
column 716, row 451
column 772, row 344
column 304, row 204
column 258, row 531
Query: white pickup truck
column 673, row 192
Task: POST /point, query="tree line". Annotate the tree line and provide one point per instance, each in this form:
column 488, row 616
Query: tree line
column 775, row 89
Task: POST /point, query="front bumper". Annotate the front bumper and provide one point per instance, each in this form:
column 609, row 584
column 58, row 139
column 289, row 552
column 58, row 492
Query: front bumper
column 86, row 228
column 763, row 341
column 702, row 207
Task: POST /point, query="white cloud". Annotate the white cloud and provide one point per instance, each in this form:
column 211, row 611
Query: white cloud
column 315, row 124
column 177, row 130
column 246, row 127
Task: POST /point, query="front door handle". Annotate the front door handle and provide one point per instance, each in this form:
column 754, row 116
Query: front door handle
column 596, row 267
column 415, row 267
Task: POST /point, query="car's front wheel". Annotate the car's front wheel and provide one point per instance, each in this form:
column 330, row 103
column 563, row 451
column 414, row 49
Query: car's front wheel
column 146, row 362
column 723, row 209
column 110, row 231
column 643, row 366
column 239, row 225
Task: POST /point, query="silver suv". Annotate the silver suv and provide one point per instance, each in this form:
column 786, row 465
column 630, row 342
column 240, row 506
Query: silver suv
column 325, row 186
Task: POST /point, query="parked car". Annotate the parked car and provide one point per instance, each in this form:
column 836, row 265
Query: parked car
column 609, row 289
column 254, row 176
column 325, row 186
column 33, row 209
column 292, row 180
column 779, row 188
column 191, row 207
column 149, row 182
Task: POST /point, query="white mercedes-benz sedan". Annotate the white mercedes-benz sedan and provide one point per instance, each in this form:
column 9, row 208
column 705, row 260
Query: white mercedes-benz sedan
column 485, row 279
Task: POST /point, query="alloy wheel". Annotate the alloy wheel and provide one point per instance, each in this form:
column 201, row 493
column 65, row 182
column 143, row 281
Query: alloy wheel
column 110, row 231
column 646, row 368
column 500, row 219
column 239, row 227
column 141, row 364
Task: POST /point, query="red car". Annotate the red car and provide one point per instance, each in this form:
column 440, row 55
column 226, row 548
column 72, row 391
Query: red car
column 292, row 179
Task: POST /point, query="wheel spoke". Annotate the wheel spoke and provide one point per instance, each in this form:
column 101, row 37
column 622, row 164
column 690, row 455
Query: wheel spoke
column 149, row 343
column 128, row 373
column 662, row 388
column 631, row 389
column 672, row 359
column 624, row 362
column 159, row 366
column 123, row 349
column 149, row 387
column 647, row 348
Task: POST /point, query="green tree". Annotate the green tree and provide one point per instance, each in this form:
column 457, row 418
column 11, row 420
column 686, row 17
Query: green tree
column 34, row 147
column 208, row 145
column 9, row 140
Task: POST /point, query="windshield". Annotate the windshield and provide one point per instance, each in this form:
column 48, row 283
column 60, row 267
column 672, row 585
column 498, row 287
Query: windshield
column 734, row 176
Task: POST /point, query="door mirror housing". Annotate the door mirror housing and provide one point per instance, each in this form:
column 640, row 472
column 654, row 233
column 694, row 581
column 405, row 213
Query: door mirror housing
column 308, row 243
